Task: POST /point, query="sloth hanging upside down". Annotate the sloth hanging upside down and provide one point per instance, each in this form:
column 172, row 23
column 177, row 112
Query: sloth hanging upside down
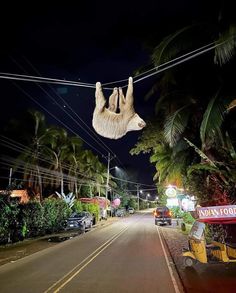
column 107, row 122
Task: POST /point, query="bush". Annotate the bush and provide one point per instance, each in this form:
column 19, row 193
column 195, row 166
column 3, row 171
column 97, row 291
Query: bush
column 188, row 219
column 77, row 206
column 8, row 219
column 93, row 209
column 177, row 212
column 55, row 212
column 32, row 216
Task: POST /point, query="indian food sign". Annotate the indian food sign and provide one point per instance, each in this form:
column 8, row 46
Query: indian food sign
column 217, row 212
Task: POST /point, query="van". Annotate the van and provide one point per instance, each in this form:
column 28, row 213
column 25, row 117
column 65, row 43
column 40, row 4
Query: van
column 162, row 215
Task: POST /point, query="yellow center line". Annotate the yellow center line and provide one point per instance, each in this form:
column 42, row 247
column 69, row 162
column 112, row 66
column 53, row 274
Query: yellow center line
column 68, row 277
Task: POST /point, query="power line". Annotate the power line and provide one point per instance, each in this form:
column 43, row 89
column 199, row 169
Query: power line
column 94, row 135
column 190, row 55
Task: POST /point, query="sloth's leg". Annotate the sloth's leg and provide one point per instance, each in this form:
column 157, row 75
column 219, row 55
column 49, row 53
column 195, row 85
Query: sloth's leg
column 113, row 100
column 129, row 93
column 121, row 100
column 100, row 99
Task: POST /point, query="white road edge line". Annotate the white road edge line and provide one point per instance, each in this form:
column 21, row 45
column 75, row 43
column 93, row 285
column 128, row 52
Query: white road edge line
column 168, row 265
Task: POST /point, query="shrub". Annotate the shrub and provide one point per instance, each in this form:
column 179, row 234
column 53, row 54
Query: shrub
column 188, row 219
column 32, row 217
column 55, row 212
column 77, row 207
column 8, row 219
column 177, row 212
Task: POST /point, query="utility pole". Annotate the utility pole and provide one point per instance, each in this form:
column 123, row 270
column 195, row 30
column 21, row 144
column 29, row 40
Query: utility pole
column 10, row 176
column 138, row 195
column 108, row 158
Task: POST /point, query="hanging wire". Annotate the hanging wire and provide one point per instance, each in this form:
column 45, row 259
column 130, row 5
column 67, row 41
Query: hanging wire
column 94, row 135
column 57, row 119
column 192, row 54
column 161, row 65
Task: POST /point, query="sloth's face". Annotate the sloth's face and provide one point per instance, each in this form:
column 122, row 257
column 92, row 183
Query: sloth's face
column 136, row 123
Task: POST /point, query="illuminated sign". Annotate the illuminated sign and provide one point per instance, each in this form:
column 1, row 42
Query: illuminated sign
column 217, row 212
column 171, row 192
column 187, row 205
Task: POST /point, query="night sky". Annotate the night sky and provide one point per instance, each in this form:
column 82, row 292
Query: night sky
column 89, row 42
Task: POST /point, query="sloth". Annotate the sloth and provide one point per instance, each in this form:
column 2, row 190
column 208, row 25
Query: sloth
column 112, row 124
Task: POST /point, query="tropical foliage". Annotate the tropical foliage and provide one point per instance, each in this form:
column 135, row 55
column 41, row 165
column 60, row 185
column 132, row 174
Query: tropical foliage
column 47, row 159
column 192, row 140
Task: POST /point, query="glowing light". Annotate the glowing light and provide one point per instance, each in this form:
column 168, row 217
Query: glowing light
column 171, row 191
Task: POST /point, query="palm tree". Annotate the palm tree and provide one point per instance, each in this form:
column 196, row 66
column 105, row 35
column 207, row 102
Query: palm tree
column 192, row 103
column 29, row 159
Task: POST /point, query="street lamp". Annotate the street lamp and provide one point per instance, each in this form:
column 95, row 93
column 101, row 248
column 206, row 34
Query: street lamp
column 113, row 168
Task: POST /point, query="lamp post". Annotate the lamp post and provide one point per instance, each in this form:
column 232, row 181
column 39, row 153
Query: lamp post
column 147, row 196
column 138, row 195
column 108, row 158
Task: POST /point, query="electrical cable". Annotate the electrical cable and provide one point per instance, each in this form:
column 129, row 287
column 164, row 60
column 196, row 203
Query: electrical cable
column 192, row 54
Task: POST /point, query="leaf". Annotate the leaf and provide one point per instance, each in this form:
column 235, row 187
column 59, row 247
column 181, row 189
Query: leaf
column 226, row 51
column 201, row 154
column 175, row 125
column 212, row 119
column 204, row 167
column 170, row 46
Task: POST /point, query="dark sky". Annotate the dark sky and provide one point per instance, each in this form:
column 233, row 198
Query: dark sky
column 90, row 41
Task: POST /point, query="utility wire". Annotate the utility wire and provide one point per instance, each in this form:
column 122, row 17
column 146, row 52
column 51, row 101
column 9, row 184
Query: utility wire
column 161, row 65
column 94, row 135
column 57, row 119
column 192, row 54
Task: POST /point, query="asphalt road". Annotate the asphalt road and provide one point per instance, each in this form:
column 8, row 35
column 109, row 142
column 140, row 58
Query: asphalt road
column 125, row 256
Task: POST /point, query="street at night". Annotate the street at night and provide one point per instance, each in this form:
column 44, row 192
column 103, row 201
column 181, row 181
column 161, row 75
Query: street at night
column 124, row 256
column 128, row 254
column 118, row 147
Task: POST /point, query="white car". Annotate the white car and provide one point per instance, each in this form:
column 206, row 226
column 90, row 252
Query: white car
column 131, row 210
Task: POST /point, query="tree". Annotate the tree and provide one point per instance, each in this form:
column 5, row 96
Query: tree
column 193, row 103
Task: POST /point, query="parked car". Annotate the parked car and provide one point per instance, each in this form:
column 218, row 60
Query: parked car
column 120, row 212
column 131, row 210
column 162, row 215
column 82, row 220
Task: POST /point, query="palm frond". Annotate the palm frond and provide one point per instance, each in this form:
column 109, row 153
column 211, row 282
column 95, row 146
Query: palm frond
column 175, row 125
column 212, row 119
column 226, row 51
column 202, row 167
column 201, row 154
column 167, row 50
column 230, row 146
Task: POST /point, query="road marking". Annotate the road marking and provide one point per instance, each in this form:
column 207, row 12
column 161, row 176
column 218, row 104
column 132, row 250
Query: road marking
column 77, row 269
column 168, row 265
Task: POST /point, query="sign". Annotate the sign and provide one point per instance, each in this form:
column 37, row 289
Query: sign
column 217, row 212
column 197, row 230
column 171, row 192
column 172, row 202
column 187, row 205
